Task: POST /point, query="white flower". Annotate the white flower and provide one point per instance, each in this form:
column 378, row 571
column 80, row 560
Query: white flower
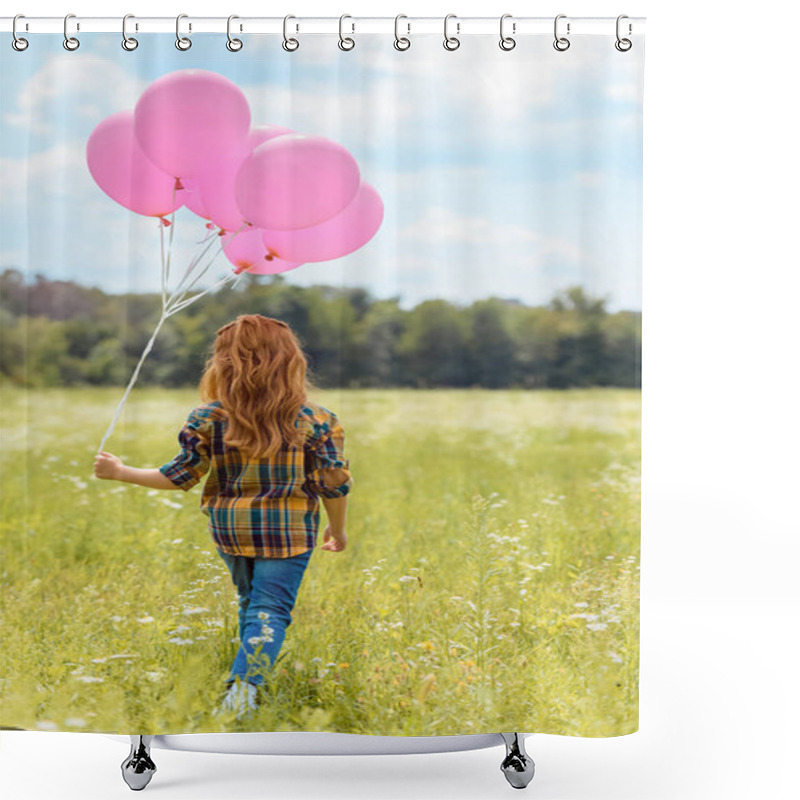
column 144, row 619
column 597, row 626
column 177, row 640
column 88, row 679
column 263, row 615
column 75, row 722
column 46, row 725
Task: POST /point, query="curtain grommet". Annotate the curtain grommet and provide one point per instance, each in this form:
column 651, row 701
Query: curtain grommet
column 401, row 42
column 451, row 42
column 346, row 42
column 18, row 42
column 181, row 42
column 234, row 45
column 507, row 42
column 623, row 45
column 289, row 44
column 128, row 42
column 70, row 42
column 561, row 43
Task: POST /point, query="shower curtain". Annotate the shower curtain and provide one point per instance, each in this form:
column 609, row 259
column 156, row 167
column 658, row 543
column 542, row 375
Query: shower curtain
column 453, row 237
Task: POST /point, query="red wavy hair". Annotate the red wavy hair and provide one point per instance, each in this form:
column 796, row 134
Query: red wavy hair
column 258, row 373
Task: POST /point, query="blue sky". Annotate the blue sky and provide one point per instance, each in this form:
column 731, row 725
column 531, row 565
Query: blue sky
column 510, row 174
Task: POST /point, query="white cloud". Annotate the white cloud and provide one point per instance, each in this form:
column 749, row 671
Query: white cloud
column 75, row 91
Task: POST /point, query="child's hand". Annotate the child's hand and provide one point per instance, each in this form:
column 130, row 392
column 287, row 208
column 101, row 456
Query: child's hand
column 334, row 541
column 107, row 466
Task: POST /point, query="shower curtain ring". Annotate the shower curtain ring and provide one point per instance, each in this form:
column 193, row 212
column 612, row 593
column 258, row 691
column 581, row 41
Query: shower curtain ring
column 128, row 42
column 451, row 42
column 623, row 45
column 342, row 40
column 70, row 42
column 401, row 43
column 506, row 42
column 561, row 43
column 182, row 42
column 19, row 43
column 234, row 45
column 286, row 42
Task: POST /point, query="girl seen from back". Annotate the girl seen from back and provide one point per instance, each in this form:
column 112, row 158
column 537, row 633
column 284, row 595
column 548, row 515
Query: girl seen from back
column 269, row 454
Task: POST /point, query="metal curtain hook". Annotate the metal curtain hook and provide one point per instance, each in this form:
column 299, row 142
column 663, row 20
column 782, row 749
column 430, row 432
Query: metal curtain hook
column 181, row 42
column 401, row 43
column 623, row 45
column 451, row 42
column 286, row 42
column 128, row 42
column 18, row 43
column 561, row 43
column 346, row 43
column 70, row 42
column 506, row 42
column 234, row 45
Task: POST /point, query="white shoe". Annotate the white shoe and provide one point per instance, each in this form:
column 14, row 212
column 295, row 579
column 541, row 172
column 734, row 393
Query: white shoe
column 241, row 698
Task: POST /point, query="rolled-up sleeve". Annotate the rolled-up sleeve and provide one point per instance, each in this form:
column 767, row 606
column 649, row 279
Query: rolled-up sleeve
column 328, row 471
column 192, row 462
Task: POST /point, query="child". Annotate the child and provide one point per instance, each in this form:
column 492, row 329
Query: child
column 269, row 453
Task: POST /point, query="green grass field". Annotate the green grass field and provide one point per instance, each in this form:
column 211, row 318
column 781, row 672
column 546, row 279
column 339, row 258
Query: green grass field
column 490, row 582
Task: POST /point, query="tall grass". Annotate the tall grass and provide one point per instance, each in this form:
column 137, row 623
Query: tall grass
column 490, row 582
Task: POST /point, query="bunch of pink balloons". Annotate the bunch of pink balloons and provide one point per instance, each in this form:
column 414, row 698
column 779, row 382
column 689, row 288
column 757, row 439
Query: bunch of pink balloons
column 279, row 198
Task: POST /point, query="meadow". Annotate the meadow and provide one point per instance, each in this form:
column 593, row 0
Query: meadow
column 490, row 581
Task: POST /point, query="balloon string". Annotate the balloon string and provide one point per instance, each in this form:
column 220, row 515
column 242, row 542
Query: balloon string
column 231, row 277
column 132, row 381
column 169, row 306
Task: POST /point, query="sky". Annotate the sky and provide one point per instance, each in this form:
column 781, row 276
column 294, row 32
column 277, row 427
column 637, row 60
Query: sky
column 512, row 174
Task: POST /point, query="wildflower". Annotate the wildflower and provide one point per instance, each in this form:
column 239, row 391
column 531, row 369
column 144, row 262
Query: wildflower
column 46, row 725
column 144, row 620
column 88, row 679
column 597, row 626
column 75, row 722
column 407, row 578
column 178, row 640
column 195, row 610
column 263, row 615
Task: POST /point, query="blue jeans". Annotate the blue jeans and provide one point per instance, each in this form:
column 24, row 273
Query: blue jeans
column 267, row 592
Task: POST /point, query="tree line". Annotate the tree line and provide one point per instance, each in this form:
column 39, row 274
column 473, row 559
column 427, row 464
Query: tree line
column 61, row 333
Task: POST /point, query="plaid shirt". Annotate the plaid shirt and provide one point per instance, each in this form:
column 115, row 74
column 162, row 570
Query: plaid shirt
column 262, row 507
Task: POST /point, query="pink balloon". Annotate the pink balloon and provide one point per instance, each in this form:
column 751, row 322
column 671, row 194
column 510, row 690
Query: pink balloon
column 191, row 197
column 122, row 170
column 347, row 231
column 295, row 181
column 263, row 133
column 217, row 180
column 184, row 119
column 247, row 251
